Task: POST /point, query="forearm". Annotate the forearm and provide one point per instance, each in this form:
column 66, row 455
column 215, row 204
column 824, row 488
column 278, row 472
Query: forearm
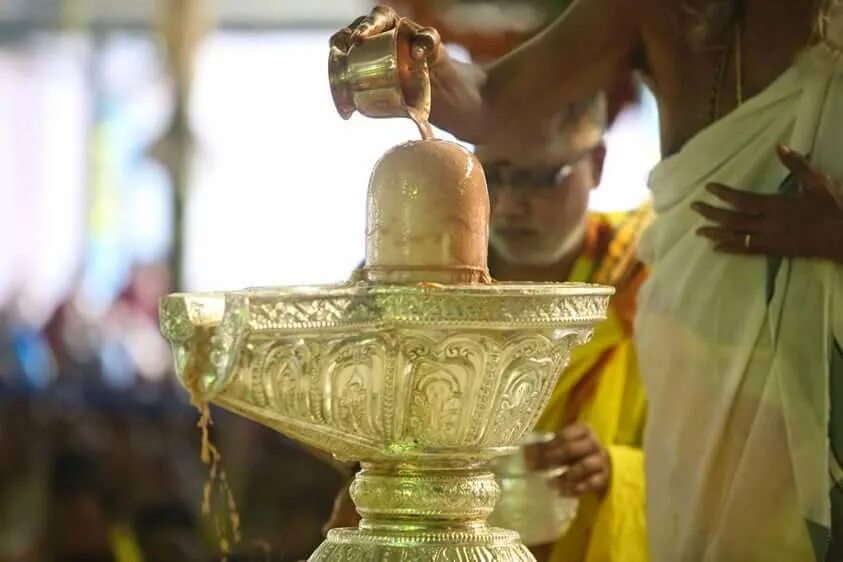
column 477, row 104
column 572, row 59
column 457, row 105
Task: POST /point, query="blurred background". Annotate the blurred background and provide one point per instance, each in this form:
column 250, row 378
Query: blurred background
column 148, row 146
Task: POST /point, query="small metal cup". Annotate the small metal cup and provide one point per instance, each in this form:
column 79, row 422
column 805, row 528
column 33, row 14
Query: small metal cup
column 530, row 502
column 379, row 78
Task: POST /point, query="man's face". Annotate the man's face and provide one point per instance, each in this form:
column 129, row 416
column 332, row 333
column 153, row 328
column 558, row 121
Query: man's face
column 539, row 202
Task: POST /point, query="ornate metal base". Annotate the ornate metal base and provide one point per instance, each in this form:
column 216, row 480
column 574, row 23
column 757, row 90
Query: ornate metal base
column 350, row 545
column 426, row 381
column 413, row 512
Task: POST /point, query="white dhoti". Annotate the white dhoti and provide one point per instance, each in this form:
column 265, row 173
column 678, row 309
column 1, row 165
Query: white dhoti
column 737, row 352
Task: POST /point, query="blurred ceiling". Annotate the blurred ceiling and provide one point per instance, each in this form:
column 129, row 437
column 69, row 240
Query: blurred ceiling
column 486, row 28
column 142, row 13
column 470, row 16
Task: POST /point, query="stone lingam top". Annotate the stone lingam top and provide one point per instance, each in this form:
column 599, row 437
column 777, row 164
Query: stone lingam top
column 428, row 216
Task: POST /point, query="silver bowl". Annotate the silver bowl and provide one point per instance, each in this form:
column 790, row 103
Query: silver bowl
column 530, row 501
column 421, row 383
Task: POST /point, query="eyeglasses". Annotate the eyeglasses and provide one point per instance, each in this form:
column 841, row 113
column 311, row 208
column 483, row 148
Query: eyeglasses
column 532, row 180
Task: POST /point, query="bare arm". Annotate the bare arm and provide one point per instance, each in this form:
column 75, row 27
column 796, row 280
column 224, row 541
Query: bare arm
column 573, row 58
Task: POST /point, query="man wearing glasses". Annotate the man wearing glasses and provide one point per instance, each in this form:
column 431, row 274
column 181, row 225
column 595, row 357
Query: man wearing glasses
column 542, row 230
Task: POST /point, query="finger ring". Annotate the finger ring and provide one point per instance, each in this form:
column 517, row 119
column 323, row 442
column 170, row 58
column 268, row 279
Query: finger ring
column 747, row 240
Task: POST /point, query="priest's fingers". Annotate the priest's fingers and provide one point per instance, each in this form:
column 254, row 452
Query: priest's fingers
column 744, row 201
column 535, row 457
column 573, row 443
column 557, row 453
column 731, row 238
column 572, row 451
column 560, row 451
column 597, row 483
column 585, row 474
column 427, row 44
column 810, row 177
column 574, row 432
column 731, row 219
column 584, row 468
column 342, row 39
column 382, row 18
column 789, row 243
column 744, row 244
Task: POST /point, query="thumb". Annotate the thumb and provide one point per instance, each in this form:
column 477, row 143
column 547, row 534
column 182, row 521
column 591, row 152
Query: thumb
column 427, row 45
column 812, row 179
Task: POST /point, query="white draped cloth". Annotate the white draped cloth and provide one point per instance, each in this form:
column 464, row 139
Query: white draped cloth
column 737, row 351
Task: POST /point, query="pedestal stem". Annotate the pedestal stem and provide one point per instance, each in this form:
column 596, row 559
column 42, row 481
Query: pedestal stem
column 430, row 511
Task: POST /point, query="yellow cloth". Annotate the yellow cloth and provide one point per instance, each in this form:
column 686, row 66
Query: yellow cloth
column 612, row 528
column 124, row 545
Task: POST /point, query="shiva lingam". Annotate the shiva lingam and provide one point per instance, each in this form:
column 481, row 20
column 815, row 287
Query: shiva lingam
column 419, row 367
